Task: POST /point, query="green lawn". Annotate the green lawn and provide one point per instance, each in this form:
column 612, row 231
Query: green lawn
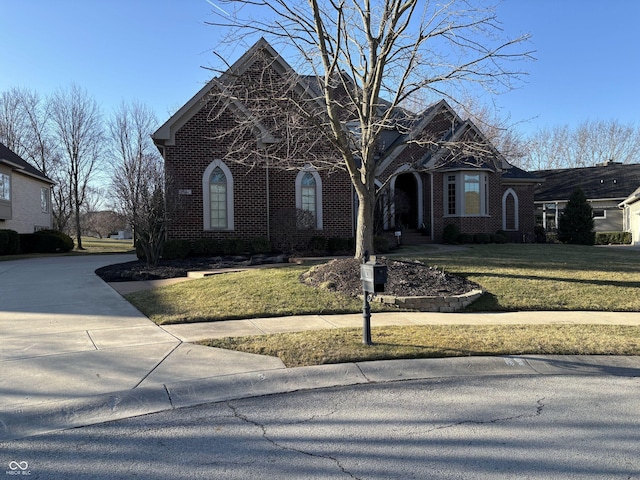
column 548, row 277
column 516, row 277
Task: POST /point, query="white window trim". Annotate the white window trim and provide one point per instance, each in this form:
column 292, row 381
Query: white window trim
column 8, row 192
column 206, row 196
column 316, row 177
column 516, row 206
column 459, row 185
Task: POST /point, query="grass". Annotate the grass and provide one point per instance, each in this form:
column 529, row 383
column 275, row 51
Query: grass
column 548, row 277
column 516, row 277
column 92, row 245
column 264, row 292
column 345, row 345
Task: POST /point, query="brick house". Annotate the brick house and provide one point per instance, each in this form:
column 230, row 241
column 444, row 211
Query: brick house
column 219, row 197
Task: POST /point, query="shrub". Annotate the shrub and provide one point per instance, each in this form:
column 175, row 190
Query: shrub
column 318, row 245
column 176, row 249
column 500, row 237
column 465, row 238
column 451, row 234
column 46, row 241
column 341, row 245
column 381, row 244
column 613, row 238
column 204, row 247
column 139, row 251
column 481, row 238
column 233, row 246
column 540, row 234
column 9, row 242
column 260, row 245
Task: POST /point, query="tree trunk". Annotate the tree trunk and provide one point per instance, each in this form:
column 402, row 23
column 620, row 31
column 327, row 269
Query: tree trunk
column 364, row 224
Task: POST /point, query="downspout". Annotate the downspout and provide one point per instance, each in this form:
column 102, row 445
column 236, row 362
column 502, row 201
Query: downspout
column 432, row 218
column 268, row 204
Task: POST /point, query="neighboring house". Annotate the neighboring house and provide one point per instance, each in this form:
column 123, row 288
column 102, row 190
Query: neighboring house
column 631, row 216
column 605, row 187
column 25, row 194
column 219, row 198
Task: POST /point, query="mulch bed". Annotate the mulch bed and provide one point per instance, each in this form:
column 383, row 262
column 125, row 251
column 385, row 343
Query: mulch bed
column 405, row 278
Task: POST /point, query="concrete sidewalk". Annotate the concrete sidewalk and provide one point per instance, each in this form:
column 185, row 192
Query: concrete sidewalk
column 74, row 352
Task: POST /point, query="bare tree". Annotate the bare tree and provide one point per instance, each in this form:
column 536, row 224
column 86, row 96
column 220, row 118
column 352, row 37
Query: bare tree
column 363, row 62
column 12, row 121
column 134, row 159
column 152, row 215
column 39, row 144
column 77, row 126
column 592, row 142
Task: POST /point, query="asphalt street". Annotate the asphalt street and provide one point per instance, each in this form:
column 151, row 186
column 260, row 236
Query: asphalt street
column 487, row 427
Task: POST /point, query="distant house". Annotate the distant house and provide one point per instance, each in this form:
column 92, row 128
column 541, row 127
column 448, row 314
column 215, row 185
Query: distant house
column 219, row 198
column 25, row 194
column 631, row 216
column 606, row 186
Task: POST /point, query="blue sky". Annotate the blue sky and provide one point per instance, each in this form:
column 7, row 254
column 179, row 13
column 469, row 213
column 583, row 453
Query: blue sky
column 588, row 54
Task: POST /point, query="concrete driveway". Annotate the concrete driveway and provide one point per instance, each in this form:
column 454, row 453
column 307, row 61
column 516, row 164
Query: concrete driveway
column 66, row 335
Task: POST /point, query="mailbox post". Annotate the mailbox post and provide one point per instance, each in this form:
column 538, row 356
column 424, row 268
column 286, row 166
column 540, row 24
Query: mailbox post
column 373, row 276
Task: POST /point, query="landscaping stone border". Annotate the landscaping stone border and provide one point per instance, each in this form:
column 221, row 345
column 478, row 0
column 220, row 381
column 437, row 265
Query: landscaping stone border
column 442, row 304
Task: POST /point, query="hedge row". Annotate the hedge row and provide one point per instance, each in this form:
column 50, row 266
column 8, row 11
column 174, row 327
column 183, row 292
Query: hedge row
column 452, row 235
column 42, row 241
column 206, row 247
column 613, row 238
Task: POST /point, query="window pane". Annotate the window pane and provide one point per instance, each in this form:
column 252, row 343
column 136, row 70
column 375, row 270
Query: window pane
column 308, row 193
column 472, row 194
column 5, row 187
column 451, row 194
column 44, row 200
column 218, row 198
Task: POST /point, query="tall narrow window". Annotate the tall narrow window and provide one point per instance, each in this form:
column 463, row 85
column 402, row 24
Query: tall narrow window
column 309, row 199
column 44, row 199
column 451, row 194
column 308, row 192
column 471, row 194
column 217, row 193
column 5, row 187
column 218, row 198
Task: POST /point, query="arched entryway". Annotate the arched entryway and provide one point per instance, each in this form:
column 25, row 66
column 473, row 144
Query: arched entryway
column 406, row 201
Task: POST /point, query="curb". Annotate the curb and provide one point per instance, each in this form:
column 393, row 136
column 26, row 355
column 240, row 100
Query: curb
column 24, row 421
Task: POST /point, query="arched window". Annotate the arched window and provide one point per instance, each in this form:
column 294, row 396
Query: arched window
column 308, row 192
column 217, row 186
column 309, row 199
column 218, row 198
column 510, row 207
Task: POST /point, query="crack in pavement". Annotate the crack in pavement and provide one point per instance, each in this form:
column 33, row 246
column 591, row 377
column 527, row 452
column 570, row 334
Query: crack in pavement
column 539, row 409
column 265, row 435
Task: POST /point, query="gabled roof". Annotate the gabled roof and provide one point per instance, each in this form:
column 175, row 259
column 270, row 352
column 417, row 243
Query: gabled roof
column 17, row 164
column 165, row 135
column 607, row 181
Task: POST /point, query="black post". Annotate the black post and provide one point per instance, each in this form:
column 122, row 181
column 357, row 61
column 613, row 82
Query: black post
column 366, row 315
